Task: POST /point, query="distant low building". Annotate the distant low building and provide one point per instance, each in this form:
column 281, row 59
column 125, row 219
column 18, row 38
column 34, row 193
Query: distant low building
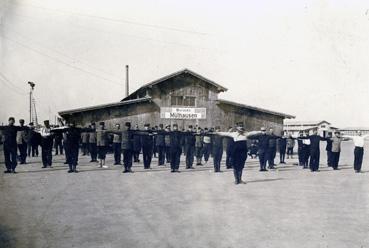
column 354, row 130
column 295, row 127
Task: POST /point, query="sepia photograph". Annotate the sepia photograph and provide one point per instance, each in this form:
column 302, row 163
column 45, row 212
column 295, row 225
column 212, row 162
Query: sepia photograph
column 184, row 124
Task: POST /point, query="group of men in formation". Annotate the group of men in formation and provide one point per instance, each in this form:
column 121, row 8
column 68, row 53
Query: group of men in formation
column 169, row 143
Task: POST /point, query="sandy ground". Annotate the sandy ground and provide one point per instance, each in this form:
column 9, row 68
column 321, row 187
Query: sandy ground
column 288, row 207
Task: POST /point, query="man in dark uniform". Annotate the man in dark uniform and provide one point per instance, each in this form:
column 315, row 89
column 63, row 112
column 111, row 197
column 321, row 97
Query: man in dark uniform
column 31, row 139
column 175, row 148
column 9, row 134
column 189, row 147
column 147, row 146
column 167, row 144
column 160, row 144
column 217, row 149
column 117, row 145
column 127, row 147
column 199, row 146
column 22, row 142
column 46, row 145
column 137, row 145
column 206, row 144
column 92, row 143
column 58, row 143
column 73, row 135
column 314, row 150
column 263, row 141
column 229, row 147
column 300, row 150
column 84, row 139
column 272, row 149
column 328, row 148
column 282, row 147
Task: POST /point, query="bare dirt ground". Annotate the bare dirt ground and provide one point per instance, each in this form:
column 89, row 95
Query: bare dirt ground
column 287, row 207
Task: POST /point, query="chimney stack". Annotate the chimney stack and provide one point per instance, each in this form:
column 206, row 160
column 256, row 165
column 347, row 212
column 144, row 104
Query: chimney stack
column 127, row 80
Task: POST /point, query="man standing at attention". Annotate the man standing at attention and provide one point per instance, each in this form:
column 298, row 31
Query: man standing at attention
column 359, row 142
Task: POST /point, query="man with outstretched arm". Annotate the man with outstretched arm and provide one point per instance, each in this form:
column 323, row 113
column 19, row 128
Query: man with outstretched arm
column 359, row 142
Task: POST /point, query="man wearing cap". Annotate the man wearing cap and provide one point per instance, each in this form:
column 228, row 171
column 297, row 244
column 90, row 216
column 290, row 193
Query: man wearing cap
column 167, row 144
column 217, row 149
column 84, row 139
column 272, row 149
column 22, row 142
column 175, row 148
column 160, row 144
column 206, row 144
column 282, row 145
column 9, row 134
column 239, row 153
column 73, row 135
column 147, row 146
column 127, row 147
column 263, row 142
column 102, row 143
column 328, row 148
column 314, row 149
column 117, row 145
column 92, row 143
column 32, row 150
column 137, row 145
column 199, row 136
column 229, row 147
column 336, row 149
column 189, row 147
column 46, row 144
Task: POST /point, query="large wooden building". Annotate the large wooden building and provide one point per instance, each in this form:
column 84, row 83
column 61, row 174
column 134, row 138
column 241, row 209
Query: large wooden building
column 183, row 97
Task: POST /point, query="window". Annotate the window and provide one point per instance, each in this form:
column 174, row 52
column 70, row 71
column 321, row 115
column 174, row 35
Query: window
column 188, row 101
column 177, row 100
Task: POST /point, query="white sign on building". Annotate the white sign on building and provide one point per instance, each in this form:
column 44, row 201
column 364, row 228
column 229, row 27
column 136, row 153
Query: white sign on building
column 183, row 113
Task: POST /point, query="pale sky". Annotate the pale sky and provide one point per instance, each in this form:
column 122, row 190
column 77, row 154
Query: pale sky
column 305, row 58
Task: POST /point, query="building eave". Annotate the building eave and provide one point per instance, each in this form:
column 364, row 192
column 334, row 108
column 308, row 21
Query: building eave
column 240, row 105
column 101, row 106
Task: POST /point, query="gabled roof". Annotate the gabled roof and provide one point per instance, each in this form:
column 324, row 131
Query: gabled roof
column 114, row 104
column 305, row 123
column 240, row 105
column 184, row 71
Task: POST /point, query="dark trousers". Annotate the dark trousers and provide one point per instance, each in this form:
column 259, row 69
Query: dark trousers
column 127, row 159
column 84, row 149
column 198, row 154
column 239, row 160
column 206, row 151
column 136, row 156
column 167, row 154
column 46, row 152
column 335, row 159
column 58, row 148
column 329, row 158
column 314, row 159
column 289, row 151
column 217, row 157
column 175, row 157
column 228, row 158
column 307, row 157
column 358, row 158
column 93, row 151
column 237, row 175
column 117, row 152
column 161, row 152
column 147, row 152
column 10, row 156
column 301, row 154
column 22, row 152
column 271, row 152
column 190, row 152
column 262, row 159
column 72, row 158
column 282, row 155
